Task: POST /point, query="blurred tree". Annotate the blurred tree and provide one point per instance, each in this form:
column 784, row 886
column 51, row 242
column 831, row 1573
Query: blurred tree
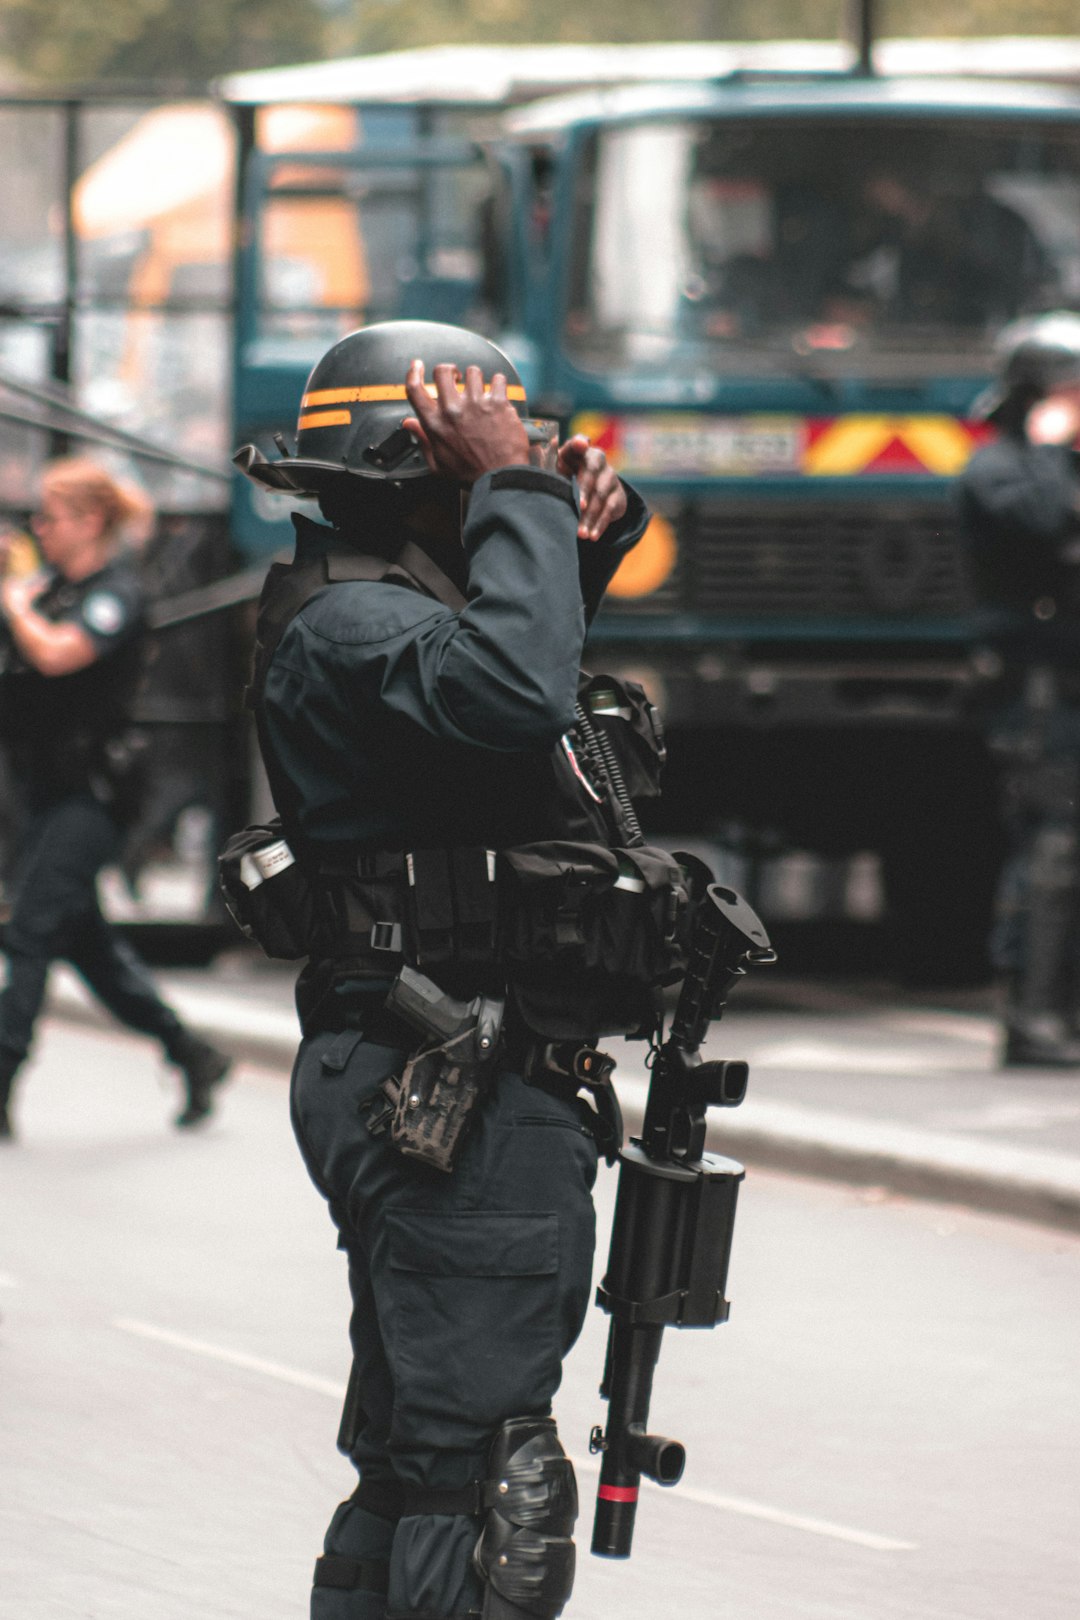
column 395, row 24
column 54, row 42
column 65, row 41
column 956, row 19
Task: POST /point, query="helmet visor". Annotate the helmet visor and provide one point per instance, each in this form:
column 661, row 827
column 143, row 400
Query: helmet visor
column 543, row 437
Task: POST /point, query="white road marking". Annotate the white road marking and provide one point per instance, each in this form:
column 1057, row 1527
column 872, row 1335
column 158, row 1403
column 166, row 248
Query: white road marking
column 234, row 1358
column 825, row 1057
column 799, row 1521
column 327, row 1386
column 8, row 1282
column 791, row 1521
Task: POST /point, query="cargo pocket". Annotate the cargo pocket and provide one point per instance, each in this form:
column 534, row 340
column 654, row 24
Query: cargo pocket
column 472, row 1324
column 336, row 1057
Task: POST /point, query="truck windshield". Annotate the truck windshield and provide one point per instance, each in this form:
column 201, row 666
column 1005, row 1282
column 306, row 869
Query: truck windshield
column 912, row 242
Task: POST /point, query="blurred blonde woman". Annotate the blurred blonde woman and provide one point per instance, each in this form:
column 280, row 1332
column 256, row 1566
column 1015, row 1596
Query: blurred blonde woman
column 74, row 634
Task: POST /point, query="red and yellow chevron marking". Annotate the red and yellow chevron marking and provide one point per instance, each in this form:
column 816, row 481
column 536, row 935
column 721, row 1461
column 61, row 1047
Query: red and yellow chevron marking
column 601, row 430
column 674, row 444
column 848, row 445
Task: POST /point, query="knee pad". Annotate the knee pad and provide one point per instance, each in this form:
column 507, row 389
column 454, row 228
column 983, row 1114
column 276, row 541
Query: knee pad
column 525, row 1554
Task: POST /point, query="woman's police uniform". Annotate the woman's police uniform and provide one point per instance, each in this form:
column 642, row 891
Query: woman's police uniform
column 74, row 760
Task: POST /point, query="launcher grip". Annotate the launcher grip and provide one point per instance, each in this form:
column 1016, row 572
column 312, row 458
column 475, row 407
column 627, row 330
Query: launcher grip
column 727, row 937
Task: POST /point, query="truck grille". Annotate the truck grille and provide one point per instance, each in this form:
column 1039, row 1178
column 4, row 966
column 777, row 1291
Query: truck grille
column 827, row 562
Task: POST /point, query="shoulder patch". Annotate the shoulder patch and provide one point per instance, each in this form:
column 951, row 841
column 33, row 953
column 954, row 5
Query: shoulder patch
column 104, row 612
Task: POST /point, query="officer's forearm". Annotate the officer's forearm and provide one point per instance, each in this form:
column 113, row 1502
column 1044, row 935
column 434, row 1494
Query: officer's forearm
column 51, row 649
column 509, row 671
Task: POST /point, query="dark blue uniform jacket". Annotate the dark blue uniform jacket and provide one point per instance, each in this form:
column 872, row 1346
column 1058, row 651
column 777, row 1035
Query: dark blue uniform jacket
column 1019, row 505
column 56, row 727
column 402, row 724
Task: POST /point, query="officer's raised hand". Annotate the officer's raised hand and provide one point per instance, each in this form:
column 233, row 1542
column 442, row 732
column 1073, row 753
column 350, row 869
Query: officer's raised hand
column 603, row 499
column 18, row 594
column 467, row 430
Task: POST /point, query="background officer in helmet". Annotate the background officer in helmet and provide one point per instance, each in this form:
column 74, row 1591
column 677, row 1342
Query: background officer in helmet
column 1020, row 508
column 72, row 662
column 416, row 676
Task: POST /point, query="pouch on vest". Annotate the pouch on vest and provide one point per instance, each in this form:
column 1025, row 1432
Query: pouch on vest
column 585, row 906
column 632, row 725
column 451, row 907
column 267, row 892
column 590, row 934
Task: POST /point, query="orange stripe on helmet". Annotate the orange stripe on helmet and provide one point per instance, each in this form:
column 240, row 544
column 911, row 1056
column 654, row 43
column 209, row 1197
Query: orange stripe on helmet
column 389, row 391
column 317, row 419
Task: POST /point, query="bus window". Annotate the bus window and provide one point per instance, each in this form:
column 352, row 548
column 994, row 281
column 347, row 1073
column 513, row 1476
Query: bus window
column 342, row 244
column 31, row 206
column 151, row 340
column 153, row 231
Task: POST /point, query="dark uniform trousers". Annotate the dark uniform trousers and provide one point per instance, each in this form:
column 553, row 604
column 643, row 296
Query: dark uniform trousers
column 55, row 915
column 468, row 1290
column 1018, row 509
column 1037, row 930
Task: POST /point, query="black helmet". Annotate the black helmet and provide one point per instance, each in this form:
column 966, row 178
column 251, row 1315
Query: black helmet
column 354, row 403
column 1036, row 356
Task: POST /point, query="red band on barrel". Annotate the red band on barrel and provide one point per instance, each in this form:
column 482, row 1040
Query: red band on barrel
column 618, row 1493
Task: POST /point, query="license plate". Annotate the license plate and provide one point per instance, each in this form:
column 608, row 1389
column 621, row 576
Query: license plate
column 710, row 446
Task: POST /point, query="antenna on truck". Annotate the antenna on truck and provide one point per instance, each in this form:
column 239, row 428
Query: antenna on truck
column 861, row 27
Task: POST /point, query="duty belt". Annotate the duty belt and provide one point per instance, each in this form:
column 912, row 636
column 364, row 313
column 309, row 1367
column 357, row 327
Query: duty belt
column 441, row 901
column 565, row 1069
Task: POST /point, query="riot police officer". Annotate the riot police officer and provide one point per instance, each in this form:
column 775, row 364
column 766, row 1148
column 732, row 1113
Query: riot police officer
column 1020, row 509
column 445, row 802
column 72, row 658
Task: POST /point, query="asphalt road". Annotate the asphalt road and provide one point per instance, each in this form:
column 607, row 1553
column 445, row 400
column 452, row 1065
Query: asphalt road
column 887, row 1429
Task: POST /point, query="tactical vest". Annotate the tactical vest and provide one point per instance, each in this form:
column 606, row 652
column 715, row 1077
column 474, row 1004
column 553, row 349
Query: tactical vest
column 580, row 929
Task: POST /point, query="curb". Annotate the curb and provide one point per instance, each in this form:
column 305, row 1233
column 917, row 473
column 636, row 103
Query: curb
column 1024, row 1183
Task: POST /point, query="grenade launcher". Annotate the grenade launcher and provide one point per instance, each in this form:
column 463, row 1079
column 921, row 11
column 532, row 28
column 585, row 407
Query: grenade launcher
column 674, row 1217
